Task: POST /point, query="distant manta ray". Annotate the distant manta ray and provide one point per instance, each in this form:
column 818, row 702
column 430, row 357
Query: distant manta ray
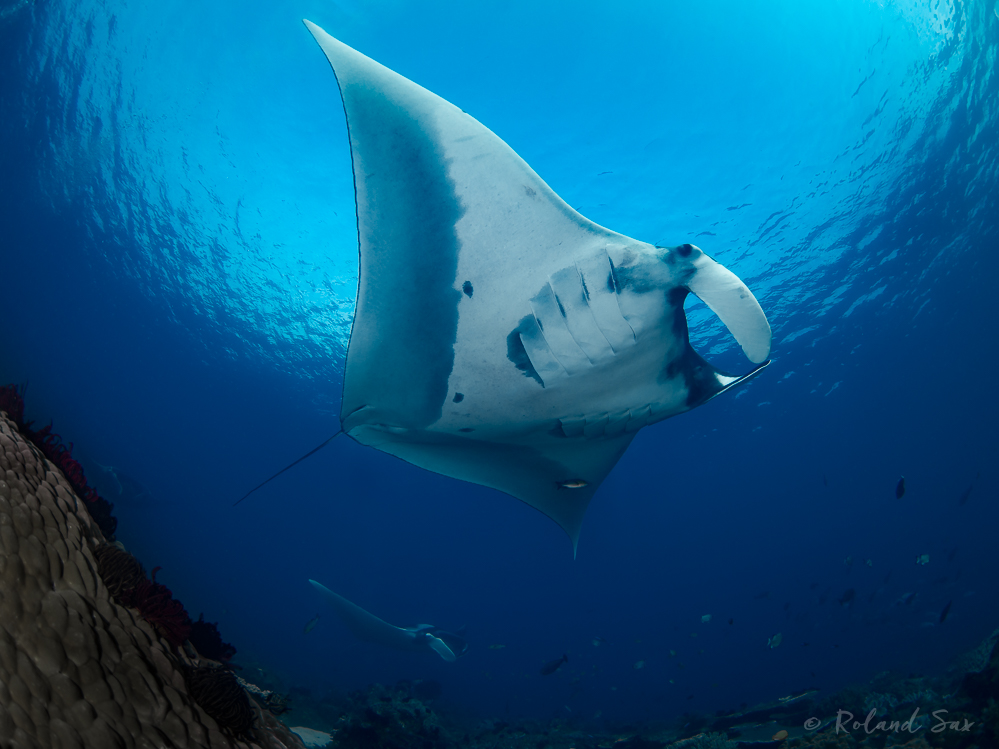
column 500, row 337
column 368, row 627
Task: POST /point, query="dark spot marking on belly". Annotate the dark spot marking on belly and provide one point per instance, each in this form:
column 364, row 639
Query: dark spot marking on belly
column 467, row 288
column 516, row 352
column 529, row 191
column 466, row 429
column 459, row 397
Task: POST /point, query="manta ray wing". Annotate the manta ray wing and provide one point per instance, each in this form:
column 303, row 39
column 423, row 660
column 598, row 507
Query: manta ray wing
column 366, row 626
column 499, row 336
column 440, row 647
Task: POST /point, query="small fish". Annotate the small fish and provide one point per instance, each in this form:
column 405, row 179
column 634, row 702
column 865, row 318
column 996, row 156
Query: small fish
column 923, row 559
column 906, row 598
column 780, row 736
column 598, row 641
column 848, row 561
column 639, row 665
column 496, row 647
column 943, row 614
column 962, row 500
column 572, row 484
column 552, row 666
column 900, row 488
column 775, row 640
column 311, row 624
column 869, row 562
column 847, row 598
column 672, row 654
column 706, row 618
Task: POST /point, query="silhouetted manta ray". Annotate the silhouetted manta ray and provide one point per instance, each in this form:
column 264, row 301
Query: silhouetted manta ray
column 368, row 627
column 500, row 337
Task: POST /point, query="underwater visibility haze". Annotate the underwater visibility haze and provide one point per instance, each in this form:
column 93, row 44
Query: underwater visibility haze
column 179, row 267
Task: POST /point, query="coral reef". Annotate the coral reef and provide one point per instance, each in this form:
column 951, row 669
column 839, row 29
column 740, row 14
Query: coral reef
column 221, row 695
column 157, row 606
column 119, row 570
column 273, row 702
column 207, row 641
column 380, row 717
column 127, row 583
column 978, row 658
column 981, row 689
column 51, row 446
column 704, row 741
column 76, row 668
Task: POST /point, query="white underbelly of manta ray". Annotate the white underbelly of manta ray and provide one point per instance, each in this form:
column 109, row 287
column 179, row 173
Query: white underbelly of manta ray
column 499, row 336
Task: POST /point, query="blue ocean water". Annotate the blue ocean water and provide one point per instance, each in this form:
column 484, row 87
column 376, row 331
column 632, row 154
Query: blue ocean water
column 178, row 263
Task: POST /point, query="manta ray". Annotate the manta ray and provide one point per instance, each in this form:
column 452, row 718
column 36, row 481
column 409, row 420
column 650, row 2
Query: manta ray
column 499, row 337
column 368, row 627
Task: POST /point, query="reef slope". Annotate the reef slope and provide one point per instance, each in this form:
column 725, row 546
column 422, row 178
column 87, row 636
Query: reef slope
column 76, row 668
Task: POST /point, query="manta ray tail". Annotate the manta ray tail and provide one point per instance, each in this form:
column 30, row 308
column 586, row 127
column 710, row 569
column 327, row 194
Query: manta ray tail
column 290, row 465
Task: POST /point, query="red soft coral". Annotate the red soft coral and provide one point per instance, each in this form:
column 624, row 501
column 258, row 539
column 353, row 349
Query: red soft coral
column 52, row 447
column 157, row 606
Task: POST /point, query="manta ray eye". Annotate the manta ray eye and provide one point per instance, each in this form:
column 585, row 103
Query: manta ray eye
column 684, row 250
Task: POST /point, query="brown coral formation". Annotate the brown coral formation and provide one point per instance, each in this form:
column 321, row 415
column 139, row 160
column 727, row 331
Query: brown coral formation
column 218, row 691
column 76, row 668
column 120, row 571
